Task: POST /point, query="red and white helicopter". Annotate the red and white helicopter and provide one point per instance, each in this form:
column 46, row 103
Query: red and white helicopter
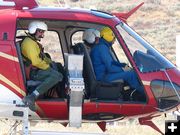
column 84, row 103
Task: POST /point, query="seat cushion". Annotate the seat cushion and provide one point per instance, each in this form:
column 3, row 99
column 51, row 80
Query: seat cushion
column 109, row 91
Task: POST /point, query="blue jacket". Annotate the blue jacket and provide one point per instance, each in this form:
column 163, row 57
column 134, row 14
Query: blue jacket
column 102, row 60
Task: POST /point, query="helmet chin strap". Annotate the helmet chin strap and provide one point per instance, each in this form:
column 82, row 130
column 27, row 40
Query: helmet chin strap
column 37, row 38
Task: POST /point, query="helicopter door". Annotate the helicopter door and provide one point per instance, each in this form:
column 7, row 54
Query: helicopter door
column 76, row 85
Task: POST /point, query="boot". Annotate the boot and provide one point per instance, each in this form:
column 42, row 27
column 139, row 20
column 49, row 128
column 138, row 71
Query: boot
column 30, row 101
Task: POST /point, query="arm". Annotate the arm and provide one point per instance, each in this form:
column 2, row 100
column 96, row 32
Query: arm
column 119, row 64
column 111, row 65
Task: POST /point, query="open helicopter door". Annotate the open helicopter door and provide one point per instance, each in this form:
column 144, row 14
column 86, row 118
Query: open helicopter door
column 76, row 85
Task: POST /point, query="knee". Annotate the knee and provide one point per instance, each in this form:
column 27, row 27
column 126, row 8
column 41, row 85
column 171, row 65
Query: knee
column 57, row 76
column 132, row 74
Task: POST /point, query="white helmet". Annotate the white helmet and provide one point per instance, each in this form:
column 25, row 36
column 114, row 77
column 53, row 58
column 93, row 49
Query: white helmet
column 33, row 26
column 90, row 35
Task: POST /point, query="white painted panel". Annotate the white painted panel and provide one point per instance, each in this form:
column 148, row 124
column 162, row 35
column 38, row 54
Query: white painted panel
column 6, row 103
column 7, row 96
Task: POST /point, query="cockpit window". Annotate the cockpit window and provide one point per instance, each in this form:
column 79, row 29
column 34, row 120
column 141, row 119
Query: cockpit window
column 165, row 93
column 147, row 59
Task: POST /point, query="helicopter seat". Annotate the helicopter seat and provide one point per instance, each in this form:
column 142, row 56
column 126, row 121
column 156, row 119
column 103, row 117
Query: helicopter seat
column 32, row 84
column 25, row 70
column 97, row 89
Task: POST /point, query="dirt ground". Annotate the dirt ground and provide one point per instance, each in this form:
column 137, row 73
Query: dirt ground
column 127, row 127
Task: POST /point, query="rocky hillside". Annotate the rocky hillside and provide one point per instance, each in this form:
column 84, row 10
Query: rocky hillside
column 157, row 20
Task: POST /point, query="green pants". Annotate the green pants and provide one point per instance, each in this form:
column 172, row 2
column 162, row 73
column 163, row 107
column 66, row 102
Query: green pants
column 49, row 78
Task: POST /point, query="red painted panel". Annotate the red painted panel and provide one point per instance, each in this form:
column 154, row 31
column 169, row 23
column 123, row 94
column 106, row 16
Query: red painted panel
column 53, row 109
column 98, row 107
column 65, row 14
column 8, row 24
column 132, row 109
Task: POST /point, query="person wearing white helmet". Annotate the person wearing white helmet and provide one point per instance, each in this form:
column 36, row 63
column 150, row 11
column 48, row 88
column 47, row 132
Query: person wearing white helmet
column 41, row 70
column 37, row 28
column 91, row 37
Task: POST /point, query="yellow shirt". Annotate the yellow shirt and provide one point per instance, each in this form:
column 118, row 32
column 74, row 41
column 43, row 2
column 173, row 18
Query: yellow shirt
column 31, row 50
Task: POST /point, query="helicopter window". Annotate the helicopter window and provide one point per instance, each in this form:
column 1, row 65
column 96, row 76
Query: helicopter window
column 165, row 93
column 51, row 44
column 77, row 37
column 147, row 59
column 119, row 53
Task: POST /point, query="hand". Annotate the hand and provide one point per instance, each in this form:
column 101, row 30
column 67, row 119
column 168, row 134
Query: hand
column 127, row 68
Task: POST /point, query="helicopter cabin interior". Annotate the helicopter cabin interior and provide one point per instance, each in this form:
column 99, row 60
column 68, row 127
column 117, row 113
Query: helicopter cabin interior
column 65, row 37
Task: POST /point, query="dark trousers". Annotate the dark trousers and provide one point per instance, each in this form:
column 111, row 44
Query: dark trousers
column 48, row 77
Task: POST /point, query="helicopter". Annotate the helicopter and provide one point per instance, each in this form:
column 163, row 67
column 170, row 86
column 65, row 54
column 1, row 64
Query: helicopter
column 84, row 99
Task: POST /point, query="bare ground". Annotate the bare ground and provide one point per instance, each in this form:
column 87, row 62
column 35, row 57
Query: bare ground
column 126, row 127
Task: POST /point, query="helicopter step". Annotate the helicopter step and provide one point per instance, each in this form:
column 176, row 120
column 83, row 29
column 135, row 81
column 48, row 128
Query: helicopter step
column 13, row 111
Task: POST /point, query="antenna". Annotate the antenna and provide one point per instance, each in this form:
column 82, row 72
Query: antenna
column 18, row 4
column 125, row 16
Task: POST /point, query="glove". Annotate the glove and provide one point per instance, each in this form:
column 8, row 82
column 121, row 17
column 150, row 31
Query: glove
column 127, row 68
column 53, row 65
